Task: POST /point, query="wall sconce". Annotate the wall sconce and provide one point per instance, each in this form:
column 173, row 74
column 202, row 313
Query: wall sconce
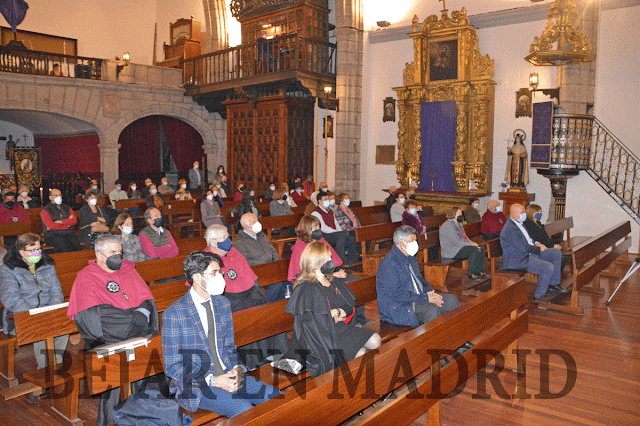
column 126, row 58
column 533, row 80
column 328, row 90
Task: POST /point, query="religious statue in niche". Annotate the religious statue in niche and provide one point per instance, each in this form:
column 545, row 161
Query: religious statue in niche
column 389, row 109
column 443, row 60
column 517, row 163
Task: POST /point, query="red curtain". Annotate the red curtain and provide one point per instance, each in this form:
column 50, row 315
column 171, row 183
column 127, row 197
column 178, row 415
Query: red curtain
column 185, row 143
column 69, row 154
column 140, row 147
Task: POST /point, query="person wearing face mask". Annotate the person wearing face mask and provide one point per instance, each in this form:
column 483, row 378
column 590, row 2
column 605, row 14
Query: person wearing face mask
column 492, row 221
column 308, row 186
column 324, row 309
column 95, row 187
column 343, row 214
column 345, row 245
column 201, row 321
column 247, row 205
column 131, row 246
column 391, row 199
column 12, row 212
column 404, row 296
column 240, row 190
column 92, row 219
column 24, row 199
column 157, row 242
column 535, row 229
column 521, row 252
column 58, row 221
column 155, row 199
column 217, row 184
column 472, row 212
column 253, row 243
column 454, row 244
column 145, row 190
column 210, row 209
column 117, row 194
column 279, row 205
column 110, row 302
column 196, row 177
column 297, row 194
column 411, row 217
column 269, row 194
column 397, row 209
column 133, row 193
column 243, row 290
column 164, row 187
column 28, row 280
column 183, row 193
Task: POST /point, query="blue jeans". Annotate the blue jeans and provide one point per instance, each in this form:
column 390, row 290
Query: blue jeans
column 228, row 404
column 547, row 266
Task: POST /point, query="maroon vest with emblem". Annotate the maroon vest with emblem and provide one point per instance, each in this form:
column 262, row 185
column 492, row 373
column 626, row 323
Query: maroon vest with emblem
column 327, row 217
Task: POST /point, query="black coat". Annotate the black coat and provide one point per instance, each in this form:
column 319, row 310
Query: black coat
column 536, row 231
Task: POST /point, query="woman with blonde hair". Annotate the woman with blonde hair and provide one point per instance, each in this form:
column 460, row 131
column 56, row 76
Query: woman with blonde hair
column 323, row 308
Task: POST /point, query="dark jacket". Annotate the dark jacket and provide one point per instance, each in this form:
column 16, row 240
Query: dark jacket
column 257, row 251
column 515, row 247
column 396, row 294
column 537, row 233
column 21, row 291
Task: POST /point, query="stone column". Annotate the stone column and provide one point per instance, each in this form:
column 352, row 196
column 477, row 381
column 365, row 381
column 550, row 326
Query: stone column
column 349, row 33
column 578, row 82
column 109, row 164
column 215, row 15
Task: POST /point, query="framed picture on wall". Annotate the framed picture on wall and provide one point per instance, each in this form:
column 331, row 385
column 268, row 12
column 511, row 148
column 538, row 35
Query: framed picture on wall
column 26, row 164
column 523, row 103
column 389, row 109
column 443, row 60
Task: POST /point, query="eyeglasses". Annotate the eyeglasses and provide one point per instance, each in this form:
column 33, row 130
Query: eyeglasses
column 214, row 273
column 34, row 250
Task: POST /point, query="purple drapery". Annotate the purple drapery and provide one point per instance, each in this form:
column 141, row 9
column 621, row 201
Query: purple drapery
column 438, row 139
column 185, row 143
column 14, row 12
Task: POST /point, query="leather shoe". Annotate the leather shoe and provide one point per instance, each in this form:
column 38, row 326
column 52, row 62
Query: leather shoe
column 559, row 289
column 549, row 295
column 475, row 278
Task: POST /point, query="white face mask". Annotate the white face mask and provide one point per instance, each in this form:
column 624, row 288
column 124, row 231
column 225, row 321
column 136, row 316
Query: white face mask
column 210, row 197
column 256, row 227
column 214, row 285
column 58, row 200
column 94, row 187
column 412, row 248
column 118, row 188
column 326, row 204
column 154, row 191
column 195, row 166
column 401, row 200
column 272, row 188
column 476, row 206
column 498, row 209
column 218, row 186
column 347, row 202
column 133, row 188
column 93, row 201
column 164, row 183
column 522, row 217
column 24, row 194
column 215, row 194
column 184, row 186
column 127, row 230
column 332, row 202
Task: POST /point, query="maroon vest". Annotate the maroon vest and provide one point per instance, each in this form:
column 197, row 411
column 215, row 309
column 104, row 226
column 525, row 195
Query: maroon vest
column 327, row 217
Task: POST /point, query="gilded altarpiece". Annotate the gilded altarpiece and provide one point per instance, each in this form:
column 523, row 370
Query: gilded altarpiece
column 448, row 66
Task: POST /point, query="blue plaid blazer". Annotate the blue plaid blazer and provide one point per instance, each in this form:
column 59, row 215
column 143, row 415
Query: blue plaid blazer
column 185, row 348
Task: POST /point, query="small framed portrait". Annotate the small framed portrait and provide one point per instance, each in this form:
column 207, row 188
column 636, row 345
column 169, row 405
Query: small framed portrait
column 523, row 103
column 389, row 109
column 327, row 125
column 443, row 60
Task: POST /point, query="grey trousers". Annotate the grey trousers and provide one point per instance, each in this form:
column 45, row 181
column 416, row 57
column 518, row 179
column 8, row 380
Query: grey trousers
column 40, row 351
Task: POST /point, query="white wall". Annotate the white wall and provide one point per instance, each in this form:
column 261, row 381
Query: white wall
column 17, row 132
column 167, row 11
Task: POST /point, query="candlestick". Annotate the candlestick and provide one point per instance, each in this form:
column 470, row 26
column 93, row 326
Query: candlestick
column 40, row 193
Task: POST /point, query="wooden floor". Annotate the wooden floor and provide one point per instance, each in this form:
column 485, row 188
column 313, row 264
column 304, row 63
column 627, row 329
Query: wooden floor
column 604, row 343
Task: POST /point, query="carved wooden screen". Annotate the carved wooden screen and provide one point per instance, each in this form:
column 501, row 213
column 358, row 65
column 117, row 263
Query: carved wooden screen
column 300, row 144
column 240, row 124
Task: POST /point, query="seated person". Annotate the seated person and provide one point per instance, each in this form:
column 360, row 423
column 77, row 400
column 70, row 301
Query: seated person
column 411, row 217
column 323, row 310
column 285, row 187
column 94, row 186
column 344, row 215
column 110, row 302
column 269, row 194
column 24, row 199
column 215, row 380
column 154, row 199
column 58, row 221
column 237, row 196
column 210, row 210
column 131, row 246
column 391, row 199
column 56, row 71
column 309, row 186
column 243, row 291
column 538, row 234
column 146, row 189
column 332, row 200
column 297, row 195
column 157, row 242
column 117, row 194
column 224, row 185
column 133, row 193
column 12, row 212
column 183, row 193
column 218, row 184
column 92, row 219
column 253, row 243
column 397, row 209
column 520, row 252
column 28, row 280
column 404, row 296
column 279, row 205
column 492, row 221
column 472, row 212
column 454, row 244
column 344, row 244
column 247, row 205
column 164, row 187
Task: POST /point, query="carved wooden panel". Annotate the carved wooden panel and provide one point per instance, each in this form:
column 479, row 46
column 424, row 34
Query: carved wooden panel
column 300, row 144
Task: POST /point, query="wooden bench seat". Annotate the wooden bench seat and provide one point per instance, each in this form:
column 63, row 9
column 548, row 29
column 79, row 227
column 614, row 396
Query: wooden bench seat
column 272, row 223
column 374, row 234
column 560, row 226
column 182, row 214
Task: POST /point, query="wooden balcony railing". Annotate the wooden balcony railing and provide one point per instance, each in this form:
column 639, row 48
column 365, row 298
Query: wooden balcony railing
column 42, row 63
column 280, row 54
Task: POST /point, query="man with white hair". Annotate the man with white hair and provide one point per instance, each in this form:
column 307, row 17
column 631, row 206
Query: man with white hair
column 253, row 243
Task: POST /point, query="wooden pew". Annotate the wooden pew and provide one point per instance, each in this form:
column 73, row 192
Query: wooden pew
column 273, row 272
column 376, row 234
column 182, row 214
column 271, row 223
column 492, row 321
column 132, row 204
column 560, row 226
column 14, row 229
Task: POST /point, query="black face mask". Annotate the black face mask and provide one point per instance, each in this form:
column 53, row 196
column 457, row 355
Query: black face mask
column 157, row 222
column 252, row 197
column 284, row 197
column 240, row 189
column 328, row 267
column 316, row 234
column 460, row 218
column 9, row 204
column 114, row 262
